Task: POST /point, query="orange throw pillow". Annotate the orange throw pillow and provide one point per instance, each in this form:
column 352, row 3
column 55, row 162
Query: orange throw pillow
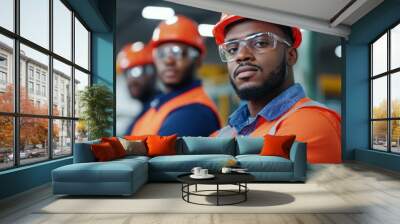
column 116, row 145
column 277, row 145
column 161, row 145
column 103, row 152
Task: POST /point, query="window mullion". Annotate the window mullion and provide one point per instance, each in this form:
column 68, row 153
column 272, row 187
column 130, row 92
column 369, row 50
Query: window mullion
column 16, row 84
column 73, row 82
column 389, row 108
column 50, row 81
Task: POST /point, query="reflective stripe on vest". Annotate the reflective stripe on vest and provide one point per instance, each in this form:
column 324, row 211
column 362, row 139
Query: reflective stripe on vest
column 152, row 120
column 311, row 103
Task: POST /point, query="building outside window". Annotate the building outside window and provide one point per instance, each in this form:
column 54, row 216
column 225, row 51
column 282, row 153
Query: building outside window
column 37, row 74
column 43, row 90
column 58, row 128
column 30, row 72
column 30, row 87
column 3, row 72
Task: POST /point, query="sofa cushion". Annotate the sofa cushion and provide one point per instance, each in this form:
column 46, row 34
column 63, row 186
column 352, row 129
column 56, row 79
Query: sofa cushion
column 161, row 145
column 249, row 145
column 275, row 145
column 134, row 147
column 185, row 163
column 103, row 152
column 112, row 171
column 206, row 145
column 116, row 145
column 257, row 163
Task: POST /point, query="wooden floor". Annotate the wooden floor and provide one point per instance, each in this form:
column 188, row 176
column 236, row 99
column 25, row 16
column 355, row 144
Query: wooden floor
column 377, row 188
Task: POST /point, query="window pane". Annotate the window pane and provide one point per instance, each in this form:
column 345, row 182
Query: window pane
column 62, row 89
column 33, row 140
column 6, row 142
column 379, row 98
column 7, row 14
column 395, row 136
column 62, row 138
column 379, row 55
column 81, row 81
column 6, row 74
column 379, row 135
column 395, row 94
column 34, row 97
column 395, row 47
column 35, row 21
column 62, row 29
column 81, row 131
column 81, row 45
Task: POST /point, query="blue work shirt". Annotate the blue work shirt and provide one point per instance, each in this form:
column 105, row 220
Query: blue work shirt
column 244, row 124
column 190, row 120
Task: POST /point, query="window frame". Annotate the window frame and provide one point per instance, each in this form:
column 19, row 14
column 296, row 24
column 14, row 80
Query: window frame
column 388, row 74
column 16, row 115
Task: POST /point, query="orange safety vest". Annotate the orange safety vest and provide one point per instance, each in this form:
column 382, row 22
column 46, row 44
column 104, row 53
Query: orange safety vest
column 312, row 123
column 152, row 120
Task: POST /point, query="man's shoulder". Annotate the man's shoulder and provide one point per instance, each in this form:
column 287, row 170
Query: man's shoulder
column 312, row 119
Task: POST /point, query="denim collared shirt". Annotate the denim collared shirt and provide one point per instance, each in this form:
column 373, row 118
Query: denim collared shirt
column 244, row 124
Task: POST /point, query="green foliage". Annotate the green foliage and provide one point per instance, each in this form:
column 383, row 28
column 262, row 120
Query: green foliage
column 380, row 127
column 97, row 105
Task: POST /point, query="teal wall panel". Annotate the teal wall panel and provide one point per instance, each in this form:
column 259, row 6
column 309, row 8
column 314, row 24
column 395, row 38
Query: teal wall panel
column 356, row 85
column 24, row 178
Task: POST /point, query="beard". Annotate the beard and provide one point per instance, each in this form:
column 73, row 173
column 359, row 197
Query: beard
column 268, row 87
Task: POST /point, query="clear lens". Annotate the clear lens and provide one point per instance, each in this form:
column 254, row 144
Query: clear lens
column 258, row 43
column 223, row 54
column 135, row 72
column 176, row 52
column 173, row 51
column 263, row 41
column 138, row 71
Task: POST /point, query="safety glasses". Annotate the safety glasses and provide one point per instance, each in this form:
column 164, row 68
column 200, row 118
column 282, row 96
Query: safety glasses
column 176, row 52
column 137, row 71
column 259, row 43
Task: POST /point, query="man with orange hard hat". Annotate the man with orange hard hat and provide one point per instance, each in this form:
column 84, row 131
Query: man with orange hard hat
column 184, row 108
column 260, row 57
column 135, row 62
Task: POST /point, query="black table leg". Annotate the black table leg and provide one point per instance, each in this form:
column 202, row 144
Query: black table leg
column 217, row 194
column 245, row 193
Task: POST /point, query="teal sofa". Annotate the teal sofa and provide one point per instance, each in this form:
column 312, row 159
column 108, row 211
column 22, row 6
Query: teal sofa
column 125, row 176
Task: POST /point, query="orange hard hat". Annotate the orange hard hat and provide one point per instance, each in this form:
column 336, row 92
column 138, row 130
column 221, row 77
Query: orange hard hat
column 226, row 19
column 179, row 29
column 134, row 54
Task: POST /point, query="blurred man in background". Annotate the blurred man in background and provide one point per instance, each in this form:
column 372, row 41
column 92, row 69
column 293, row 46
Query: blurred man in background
column 184, row 108
column 135, row 62
column 260, row 57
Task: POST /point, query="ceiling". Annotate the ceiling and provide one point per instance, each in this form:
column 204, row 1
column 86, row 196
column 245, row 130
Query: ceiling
column 333, row 17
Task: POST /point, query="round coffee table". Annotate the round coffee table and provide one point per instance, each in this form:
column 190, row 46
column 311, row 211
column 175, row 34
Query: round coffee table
column 238, row 179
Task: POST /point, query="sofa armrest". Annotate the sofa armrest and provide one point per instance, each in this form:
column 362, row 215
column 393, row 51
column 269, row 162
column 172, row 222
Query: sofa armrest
column 298, row 155
column 83, row 152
